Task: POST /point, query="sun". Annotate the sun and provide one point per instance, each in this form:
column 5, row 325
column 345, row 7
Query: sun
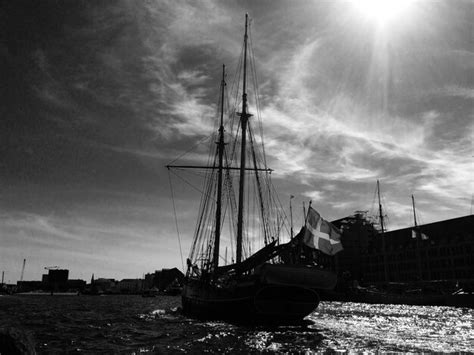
column 382, row 12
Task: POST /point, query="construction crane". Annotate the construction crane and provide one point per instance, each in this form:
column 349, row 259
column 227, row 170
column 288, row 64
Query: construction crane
column 51, row 267
column 23, row 270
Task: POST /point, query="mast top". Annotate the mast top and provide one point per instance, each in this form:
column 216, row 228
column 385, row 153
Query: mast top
column 246, row 23
column 380, row 208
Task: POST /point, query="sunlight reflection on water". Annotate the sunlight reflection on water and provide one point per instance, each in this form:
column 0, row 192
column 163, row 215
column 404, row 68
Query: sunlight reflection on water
column 395, row 327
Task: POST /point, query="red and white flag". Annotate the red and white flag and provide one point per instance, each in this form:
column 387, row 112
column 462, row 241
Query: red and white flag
column 321, row 234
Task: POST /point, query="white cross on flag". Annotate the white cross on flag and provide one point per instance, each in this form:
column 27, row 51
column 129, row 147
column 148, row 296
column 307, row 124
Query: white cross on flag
column 321, row 234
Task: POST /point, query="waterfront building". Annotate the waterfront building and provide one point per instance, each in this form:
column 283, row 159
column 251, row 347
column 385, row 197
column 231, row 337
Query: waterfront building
column 148, row 282
column 104, row 285
column 130, row 285
column 76, row 285
column 28, row 286
column 438, row 253
column 56, row 279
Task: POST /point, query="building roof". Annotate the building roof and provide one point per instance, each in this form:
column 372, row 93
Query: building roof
column 449, row 231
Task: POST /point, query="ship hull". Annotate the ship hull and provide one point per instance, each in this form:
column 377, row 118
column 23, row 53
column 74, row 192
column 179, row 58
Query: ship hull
column 268, row 295
column 260, row 303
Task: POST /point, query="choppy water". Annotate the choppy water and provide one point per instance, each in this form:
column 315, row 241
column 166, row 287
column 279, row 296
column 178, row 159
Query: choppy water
column 132, row 324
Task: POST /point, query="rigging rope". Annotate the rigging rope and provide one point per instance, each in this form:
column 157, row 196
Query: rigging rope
column 373, row 208
column 185, row 181
column 176, row 221
column 260, row 193
column 258, row 188
column 192, row 148
column 253, row 68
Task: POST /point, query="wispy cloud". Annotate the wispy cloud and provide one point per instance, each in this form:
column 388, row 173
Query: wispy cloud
column 343, row 142
column 457, row 91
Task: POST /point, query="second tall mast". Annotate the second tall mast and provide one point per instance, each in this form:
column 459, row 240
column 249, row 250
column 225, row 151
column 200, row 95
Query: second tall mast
column 244, row 120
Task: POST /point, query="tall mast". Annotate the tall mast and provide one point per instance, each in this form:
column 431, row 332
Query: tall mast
column 220, row 148
column 385, row 271
column 417, row 241
column 380, row 209
column 243, row 119
column 291, row 218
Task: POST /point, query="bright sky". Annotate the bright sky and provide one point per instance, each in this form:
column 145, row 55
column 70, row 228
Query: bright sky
column 98, row 96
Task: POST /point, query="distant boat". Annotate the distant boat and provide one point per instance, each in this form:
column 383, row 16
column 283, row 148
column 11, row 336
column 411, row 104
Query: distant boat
column 279, row 282
column 404, row 295
column 461, row 298
column 47, row 293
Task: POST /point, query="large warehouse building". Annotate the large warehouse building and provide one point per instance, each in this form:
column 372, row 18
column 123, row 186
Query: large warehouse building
column 440, row 252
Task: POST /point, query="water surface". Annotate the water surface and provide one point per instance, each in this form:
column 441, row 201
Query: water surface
column 133, row 324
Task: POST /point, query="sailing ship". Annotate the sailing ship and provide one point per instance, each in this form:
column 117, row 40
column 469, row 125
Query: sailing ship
column 280, row 281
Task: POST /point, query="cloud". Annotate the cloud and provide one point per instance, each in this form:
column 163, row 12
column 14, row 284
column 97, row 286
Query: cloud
column 314, row 195
column 342, row 142
column 457, row 91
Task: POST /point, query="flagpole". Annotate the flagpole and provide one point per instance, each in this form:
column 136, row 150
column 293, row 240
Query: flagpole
column 306, row 215
column 304, row 212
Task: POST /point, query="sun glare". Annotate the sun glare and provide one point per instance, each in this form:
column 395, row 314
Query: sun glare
column 382, row 11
